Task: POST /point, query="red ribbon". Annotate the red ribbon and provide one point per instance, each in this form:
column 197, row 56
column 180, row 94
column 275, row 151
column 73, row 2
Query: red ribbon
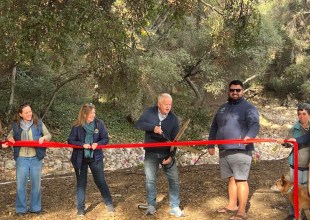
column 296, row 208
column 137, row 145
column 174, row 143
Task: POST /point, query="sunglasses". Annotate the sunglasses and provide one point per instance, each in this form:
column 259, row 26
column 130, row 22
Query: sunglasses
column 235, row 90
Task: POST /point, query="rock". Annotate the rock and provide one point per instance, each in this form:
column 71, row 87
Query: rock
column 66, row 166
column 58, row 164
column 9, row 164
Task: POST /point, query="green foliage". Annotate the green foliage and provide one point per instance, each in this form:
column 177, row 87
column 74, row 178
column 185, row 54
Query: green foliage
column 287, row 73
column 52, row 32
column 145, row 78
column 270, row 35
column 200, row 117
column 215, row 82
column 296, row 80
column 36, row 86
column 159, row 71
column 120, row 130
column 293, row 82
column 60, row 119
column 32, row 89
column 242, row 23
column 127, row 52
column 305, row 90
column 63, row 115
column 187, row 36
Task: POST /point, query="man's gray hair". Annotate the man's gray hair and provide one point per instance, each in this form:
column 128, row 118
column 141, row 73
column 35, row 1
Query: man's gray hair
column 163, row 96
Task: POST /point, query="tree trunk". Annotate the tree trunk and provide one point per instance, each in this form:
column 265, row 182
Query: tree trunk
column 195, row 89
column 11, row 101
column 78, row 76
column 193, row 71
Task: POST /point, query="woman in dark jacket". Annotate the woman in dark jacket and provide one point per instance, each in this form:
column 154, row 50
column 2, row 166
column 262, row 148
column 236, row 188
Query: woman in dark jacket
column 89, row 132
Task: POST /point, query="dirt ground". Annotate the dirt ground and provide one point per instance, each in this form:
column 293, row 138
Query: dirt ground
column 202, row 193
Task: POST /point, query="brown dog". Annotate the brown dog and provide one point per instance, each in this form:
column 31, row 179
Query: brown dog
column 285, row 187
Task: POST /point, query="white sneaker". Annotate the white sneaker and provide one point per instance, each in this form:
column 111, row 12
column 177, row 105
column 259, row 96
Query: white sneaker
column 177, row 212
column 110, row 208
column 150, row 210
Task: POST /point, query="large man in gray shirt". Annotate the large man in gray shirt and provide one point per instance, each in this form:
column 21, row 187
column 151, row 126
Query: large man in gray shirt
column 235, row 119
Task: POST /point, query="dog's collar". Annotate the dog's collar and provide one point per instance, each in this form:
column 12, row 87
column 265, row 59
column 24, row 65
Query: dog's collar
column 290, row 189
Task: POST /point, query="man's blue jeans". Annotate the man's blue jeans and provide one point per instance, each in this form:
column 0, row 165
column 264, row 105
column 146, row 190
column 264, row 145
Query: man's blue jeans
column 302, row 180
column 96, row 168
column 151, row 165
column 28, row 167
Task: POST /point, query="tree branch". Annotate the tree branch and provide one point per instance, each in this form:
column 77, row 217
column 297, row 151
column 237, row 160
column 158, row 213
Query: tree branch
column 194, row 88
column 200, row 157
column 60, row 85
column 212, row 7
column 11, row 101
column 195, row 69
column 249, row 79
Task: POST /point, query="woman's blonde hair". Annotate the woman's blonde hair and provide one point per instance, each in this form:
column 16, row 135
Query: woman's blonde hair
column 84, row 113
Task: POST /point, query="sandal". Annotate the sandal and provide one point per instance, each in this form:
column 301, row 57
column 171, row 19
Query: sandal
column 238, row 217
column 227, row 211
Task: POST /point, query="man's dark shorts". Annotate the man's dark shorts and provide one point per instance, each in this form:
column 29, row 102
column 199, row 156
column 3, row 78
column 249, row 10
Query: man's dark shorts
column 235, row 163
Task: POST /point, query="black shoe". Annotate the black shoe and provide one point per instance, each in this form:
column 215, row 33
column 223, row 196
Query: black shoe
column 80, row 212
column 290, row 217
column 37, row 212
column 20, row 214
column 303, row 216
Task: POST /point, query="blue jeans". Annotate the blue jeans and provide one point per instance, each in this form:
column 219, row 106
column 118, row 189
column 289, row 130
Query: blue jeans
column 302, row 180
column 151, row 165
column 28, row 167
column 96, row 168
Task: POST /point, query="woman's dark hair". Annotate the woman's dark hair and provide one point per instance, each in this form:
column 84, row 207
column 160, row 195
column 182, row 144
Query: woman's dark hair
column 303, row 106
column 17, row 117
